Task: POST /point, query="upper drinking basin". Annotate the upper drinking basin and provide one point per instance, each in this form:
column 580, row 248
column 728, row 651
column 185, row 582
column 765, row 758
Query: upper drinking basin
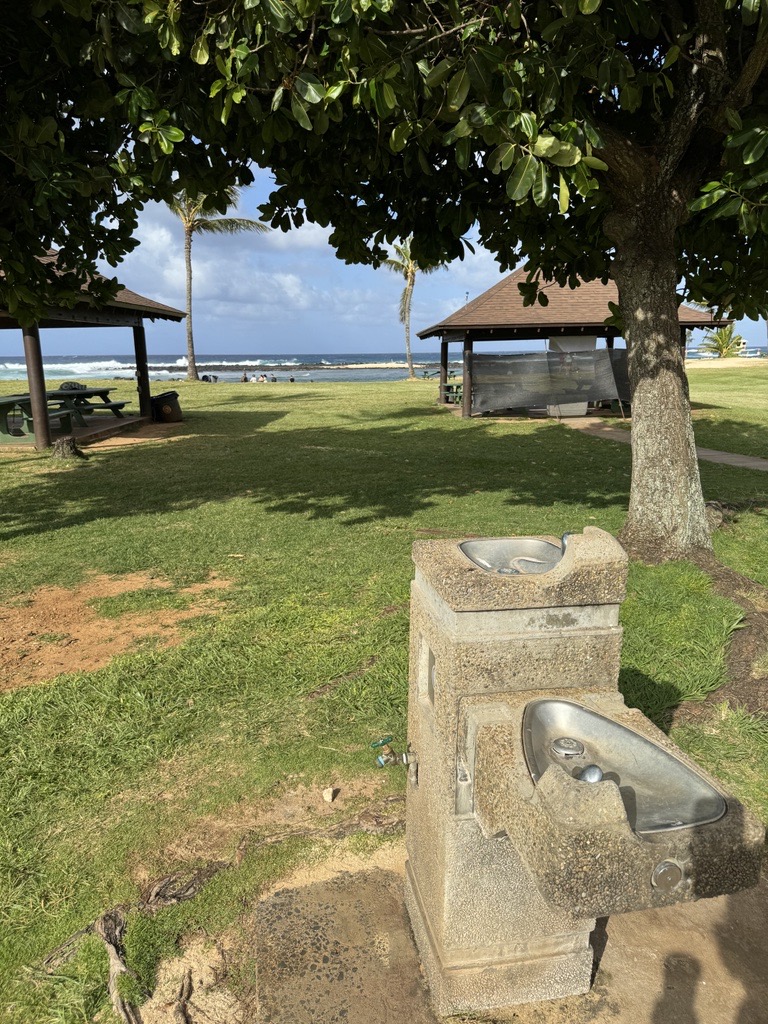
column 513, row 556
column 659, row 792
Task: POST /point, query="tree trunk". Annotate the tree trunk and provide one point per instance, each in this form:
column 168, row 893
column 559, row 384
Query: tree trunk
column 410, row 281
column 666, row 516
column 192, row 373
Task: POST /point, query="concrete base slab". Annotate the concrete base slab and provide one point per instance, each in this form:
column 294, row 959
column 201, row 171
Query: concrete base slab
column 341, row 951
column 457, row 990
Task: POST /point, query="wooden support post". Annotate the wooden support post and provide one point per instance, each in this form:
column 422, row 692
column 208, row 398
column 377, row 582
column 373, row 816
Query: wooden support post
column 33, row 357
column 609, row 343
column 466, row 386
column 443, row 396
column 142, row 370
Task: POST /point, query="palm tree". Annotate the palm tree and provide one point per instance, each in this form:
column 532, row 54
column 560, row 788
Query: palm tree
column 404, row 264
column 723, row 342
column 195, row 220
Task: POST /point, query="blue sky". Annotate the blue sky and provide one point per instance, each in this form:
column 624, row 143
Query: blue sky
column 278, row 293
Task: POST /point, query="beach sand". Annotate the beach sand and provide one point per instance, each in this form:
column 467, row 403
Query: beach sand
column 731, row 363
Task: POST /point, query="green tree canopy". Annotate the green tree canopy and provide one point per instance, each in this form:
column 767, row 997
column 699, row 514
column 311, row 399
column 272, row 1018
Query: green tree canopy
column 587, row 137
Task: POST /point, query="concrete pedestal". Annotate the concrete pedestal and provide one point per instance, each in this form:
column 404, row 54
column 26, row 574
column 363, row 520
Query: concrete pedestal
column 486, row 936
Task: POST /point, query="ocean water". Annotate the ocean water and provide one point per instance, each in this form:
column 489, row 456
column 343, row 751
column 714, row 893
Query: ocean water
column 349, row 366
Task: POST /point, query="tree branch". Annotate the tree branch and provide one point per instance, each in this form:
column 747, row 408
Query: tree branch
column 740, row 95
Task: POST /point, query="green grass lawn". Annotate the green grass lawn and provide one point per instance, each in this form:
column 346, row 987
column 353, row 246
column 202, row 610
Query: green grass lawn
column 730, row 406
column 302, row 502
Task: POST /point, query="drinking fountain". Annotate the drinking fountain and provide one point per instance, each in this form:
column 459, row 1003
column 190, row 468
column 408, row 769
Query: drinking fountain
column 537, row 801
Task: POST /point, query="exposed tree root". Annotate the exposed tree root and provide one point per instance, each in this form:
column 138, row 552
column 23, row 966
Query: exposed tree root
column 181, row 1010
column 176, row 888
column 110, row 928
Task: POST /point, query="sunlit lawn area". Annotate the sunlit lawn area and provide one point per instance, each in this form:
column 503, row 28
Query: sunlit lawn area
column 299, row 505
column 731, row 406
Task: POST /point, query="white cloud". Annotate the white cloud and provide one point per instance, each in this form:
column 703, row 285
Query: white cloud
column 308, row 236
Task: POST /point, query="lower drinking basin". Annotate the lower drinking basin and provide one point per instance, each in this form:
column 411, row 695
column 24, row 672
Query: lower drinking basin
column 659, row 792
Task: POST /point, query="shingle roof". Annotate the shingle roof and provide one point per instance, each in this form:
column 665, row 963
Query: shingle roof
column 125, row 299
column 499, row 312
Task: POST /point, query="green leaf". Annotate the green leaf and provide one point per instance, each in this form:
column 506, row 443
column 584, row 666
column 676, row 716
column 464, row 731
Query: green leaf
column 310, row 88
column 546, row 145
column 129, row 18
column 399, row 137
column 728, row 208
column 462, row 153
column 541, row 185
column 439, row 73
column 566, row 156
column 741, row 137
column 755, row 149
column 388, row 98
column 458, row 89
column 589, row 6
column 595, row 163
column 501, row 158
column 733, row 118
column 300, row 112
column 521, row 179
column 708, row 199
column 564, row 196
column 199, row 51
column 750, row 9
column 528, row 124
column 277, row 14
column 671, row 56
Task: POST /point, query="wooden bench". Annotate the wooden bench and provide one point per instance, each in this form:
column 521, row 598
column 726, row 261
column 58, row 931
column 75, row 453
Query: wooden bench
column 114, row 406
column 89, row 407
column 56, row 417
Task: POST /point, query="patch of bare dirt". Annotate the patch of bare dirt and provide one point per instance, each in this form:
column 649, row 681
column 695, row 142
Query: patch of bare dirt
column 56, row 629
column 204, row 968
column 193, row 987
column 147, row 432
column 214, row 836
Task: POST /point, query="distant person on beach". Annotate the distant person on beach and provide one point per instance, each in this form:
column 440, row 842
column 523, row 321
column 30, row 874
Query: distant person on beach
column 254, row 379
column 273, row 379
column 291, row 379
column 244, row 378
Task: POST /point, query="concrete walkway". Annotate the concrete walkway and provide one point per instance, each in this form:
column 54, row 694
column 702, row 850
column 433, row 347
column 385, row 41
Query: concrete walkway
column 599, row 428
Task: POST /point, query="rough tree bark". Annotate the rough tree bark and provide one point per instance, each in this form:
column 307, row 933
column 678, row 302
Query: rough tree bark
column 410, row 279
column 192, row 373
column 667, row 517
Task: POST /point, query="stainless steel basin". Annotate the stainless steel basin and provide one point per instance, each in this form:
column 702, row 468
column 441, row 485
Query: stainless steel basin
column 513, row 556
column 659, row 792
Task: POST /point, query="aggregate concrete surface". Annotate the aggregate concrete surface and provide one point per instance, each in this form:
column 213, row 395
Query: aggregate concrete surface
column 340, row 951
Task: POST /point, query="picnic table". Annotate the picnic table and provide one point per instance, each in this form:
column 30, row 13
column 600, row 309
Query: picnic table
column 65, row 409
column 453, row 393
column 82, row 402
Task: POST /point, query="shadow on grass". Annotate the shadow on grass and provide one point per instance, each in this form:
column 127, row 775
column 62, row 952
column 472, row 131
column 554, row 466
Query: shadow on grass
column 730, row 435
column 362, row 468
column 657, row 700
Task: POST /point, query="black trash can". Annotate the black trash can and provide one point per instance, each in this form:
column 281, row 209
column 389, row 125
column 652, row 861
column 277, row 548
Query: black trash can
column 166, row 408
